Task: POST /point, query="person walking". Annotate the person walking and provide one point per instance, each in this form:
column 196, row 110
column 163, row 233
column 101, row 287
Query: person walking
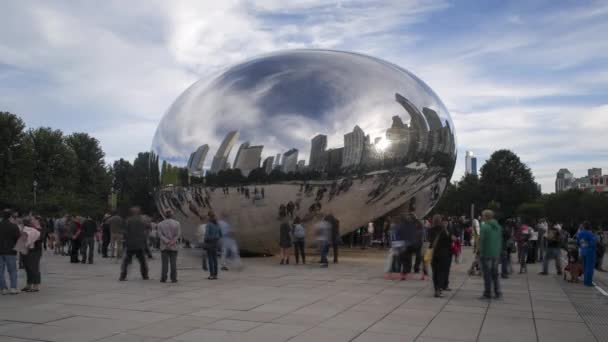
column 31, row 257
column 490, row 247
column 335, row 234
column 89, row 228
column 285, row 240
column 407, row 229
column 213, row 234
column 230, row 250
column 9, row 235
column 441, row 245
column 169, row 231
column 299, row 235
column 553, row 240
column 586, row 241
column 135, row 243
column 201, row 229
column 508, row 246
column 116, row 234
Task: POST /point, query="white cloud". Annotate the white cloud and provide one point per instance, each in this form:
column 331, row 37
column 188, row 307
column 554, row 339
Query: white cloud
column 113, row 68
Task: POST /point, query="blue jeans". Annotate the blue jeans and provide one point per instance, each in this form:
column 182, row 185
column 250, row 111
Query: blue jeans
column 323, row 249
column 10, row 263
column 212, row 259
column 588, row 266
column 489, row 268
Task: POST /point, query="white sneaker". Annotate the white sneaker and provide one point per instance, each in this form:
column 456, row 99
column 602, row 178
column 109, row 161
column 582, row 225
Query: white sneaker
column 4, row 292
column 14, row 291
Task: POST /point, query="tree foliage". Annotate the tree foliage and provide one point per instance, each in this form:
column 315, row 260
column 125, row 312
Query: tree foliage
column 507, row 181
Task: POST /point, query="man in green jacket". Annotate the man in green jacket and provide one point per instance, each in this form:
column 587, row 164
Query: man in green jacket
column 490, row 247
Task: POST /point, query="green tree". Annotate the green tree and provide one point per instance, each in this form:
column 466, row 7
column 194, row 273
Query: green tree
column 16, row 163
column 54, row 170
column 507, row 181
column 93, row 182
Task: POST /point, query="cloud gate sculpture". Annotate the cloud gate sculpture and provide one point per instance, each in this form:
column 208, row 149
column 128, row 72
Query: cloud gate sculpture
column 304, row 133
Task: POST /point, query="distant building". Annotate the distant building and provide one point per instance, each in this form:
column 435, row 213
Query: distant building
column 249, row 159
column 594, row 172
column 238, row 153
column 301, row 165
column 470, row 164
column 354, row 145
column 335, row 158
column 398, row 139
column 564, row 180
column 419, row 128
column 290, row 160
column 220, row 161
column 318, row 144
column 277, row 161
column 268, row 164
column 434, row 142
column 197, row 160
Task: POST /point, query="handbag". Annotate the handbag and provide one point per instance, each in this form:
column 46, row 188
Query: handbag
column 428, row 254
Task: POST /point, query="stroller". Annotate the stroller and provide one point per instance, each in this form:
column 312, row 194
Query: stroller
column 574, row 268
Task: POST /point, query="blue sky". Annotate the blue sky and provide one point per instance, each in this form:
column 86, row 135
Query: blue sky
column 531, row 76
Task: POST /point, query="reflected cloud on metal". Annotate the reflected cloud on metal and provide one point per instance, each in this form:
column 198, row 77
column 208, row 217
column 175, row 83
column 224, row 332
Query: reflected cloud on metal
column 306, row 133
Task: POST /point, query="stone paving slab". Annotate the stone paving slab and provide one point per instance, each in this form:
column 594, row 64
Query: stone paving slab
column 271, row 303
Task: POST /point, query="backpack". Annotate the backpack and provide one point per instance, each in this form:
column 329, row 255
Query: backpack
column 298, row 231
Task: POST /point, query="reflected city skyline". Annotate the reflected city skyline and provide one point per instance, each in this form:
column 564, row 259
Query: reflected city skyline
column 305, row 133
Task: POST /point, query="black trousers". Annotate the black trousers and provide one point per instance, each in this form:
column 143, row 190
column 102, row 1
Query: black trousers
column 143, row 265
column 418, row 261
column 87, row 248
column 104, row 245
column 406, row 259
column 74, row 249
column 31, row 263
column 299, row 250
column 441, row 271
column 168, row 260
column 335, row 249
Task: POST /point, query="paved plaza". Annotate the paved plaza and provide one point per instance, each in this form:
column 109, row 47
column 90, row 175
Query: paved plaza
column 267, row 302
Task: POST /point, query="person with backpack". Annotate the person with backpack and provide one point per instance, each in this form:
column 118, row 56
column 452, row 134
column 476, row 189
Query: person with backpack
column 299, row 235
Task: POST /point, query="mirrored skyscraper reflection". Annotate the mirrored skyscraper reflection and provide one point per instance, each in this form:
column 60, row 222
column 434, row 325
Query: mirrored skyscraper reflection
column 326, row 131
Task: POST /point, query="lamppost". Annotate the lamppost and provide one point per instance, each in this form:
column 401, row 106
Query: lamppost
column 35, row 186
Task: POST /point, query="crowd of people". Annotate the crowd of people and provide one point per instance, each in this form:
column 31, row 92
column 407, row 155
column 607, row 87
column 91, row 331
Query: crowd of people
column 417, row 244
column 416, row 248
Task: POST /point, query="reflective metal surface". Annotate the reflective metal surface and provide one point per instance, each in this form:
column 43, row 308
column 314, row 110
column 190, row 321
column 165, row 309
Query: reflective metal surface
column 319, row 131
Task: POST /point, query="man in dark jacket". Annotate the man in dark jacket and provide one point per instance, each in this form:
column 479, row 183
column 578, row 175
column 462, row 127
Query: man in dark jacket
column 87, row 244
column 9, row 234
column 135, row 242
column 335, row 234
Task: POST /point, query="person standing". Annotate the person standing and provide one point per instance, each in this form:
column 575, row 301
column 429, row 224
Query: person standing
column 299, row 235
column 9, row 235
column 490, row 247
column 89, row 228
column 542, row 227
column 586, row 241
column 213, row 234
column 135, row 243
column 522, row 238
column 169, row 231
column 105, row 236
column 76, row 233
column 553, row 241
column 31, row 259
column 335, row 234
column 285, row 240
column 230, row 250
column 323, row 231
column 533, row 245
column 407, row 228
column 202, row 228
column 116, row 234
column 441, row 245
